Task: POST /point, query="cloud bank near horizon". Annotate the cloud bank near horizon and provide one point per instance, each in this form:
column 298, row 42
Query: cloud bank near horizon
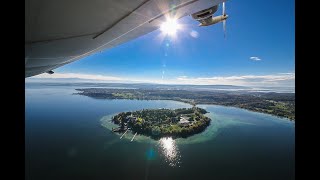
column 271, row 80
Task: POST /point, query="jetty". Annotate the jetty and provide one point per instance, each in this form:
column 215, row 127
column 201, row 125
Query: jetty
column 124, row 133
column 134, row 136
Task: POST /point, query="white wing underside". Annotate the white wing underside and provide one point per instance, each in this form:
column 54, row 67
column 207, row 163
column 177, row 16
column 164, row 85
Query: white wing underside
column 62, row 31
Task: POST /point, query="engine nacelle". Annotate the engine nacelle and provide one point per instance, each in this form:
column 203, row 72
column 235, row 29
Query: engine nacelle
column 205, row 14
column 213, row 20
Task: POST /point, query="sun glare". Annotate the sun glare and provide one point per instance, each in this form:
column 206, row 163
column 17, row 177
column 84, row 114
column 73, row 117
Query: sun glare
column 170, row 27
column 170, row 151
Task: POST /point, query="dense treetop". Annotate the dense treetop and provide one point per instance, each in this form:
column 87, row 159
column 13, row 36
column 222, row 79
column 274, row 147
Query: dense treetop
column 158, row 123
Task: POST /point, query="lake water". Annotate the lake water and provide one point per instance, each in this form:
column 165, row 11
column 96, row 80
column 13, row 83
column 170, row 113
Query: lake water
column 68, row 137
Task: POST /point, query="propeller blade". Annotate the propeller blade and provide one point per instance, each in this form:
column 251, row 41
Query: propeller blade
column 223, row 9
column 224, row 28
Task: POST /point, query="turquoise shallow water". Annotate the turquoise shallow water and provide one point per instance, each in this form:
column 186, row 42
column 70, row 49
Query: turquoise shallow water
column 67, row 137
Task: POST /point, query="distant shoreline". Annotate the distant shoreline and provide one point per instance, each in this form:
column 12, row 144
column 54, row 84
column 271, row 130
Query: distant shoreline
column 277, row 104
column 89, row 83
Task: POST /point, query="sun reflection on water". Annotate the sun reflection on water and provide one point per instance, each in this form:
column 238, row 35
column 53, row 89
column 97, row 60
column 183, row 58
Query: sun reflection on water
column 170, row 151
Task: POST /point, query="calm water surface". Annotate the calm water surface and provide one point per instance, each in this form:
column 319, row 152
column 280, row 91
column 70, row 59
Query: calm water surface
column 68, row 137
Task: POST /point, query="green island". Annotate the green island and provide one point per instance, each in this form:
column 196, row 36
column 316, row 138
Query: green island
column 158, row 123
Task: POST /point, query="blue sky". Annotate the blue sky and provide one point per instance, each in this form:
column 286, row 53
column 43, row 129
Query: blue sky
column 261, row 29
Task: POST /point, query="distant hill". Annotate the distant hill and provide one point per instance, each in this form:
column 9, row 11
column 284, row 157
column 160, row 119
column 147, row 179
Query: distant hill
column 90, row 83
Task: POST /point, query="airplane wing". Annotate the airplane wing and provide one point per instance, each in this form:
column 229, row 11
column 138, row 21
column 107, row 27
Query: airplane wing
column 58, row 32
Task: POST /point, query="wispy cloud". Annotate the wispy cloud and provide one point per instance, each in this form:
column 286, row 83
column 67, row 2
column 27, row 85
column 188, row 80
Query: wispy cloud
column 271, row 80
column 281, row 79
column 255, row 58
column 182, row 77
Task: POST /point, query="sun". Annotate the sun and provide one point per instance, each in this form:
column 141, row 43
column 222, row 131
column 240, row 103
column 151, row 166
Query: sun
column 170, row 27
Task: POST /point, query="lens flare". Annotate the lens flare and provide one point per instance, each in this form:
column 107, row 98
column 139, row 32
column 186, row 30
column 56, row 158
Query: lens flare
column 170, row 27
